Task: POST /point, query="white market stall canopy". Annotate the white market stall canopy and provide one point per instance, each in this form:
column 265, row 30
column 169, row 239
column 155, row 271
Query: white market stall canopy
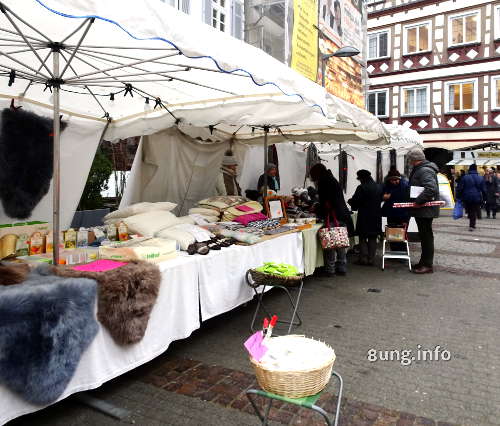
column 121, row 59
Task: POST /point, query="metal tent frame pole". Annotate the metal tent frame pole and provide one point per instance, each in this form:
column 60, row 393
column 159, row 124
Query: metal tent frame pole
column 56, row 181
column 264, row 192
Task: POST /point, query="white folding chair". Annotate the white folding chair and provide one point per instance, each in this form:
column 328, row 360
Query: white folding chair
column 396, row 235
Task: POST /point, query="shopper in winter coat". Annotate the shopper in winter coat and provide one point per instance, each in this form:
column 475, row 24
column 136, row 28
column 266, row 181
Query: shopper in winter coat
column 332, row 205
column 424, row 176
column 472, row 192
column 367, row 200
column 492, row 184
column 395, row 190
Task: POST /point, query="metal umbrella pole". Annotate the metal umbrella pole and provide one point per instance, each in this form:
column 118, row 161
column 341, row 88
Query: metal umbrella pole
column 266, row 131
column 56, row 181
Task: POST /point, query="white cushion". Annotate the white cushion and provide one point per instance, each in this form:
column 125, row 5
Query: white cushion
column 148, row 224
column 140, row 208
column 184, row 238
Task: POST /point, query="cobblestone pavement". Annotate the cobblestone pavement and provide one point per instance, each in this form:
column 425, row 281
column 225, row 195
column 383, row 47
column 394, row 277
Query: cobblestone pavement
column 455, row 308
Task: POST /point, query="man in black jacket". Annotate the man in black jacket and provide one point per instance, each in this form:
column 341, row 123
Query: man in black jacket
column 424, row 177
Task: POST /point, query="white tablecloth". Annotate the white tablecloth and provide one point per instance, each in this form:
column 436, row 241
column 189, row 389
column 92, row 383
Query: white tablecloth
column 175, row 316
column 222, row 274
column 215, row 281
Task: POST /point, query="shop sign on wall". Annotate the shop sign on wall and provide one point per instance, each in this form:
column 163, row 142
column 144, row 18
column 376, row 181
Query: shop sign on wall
column 302, row 24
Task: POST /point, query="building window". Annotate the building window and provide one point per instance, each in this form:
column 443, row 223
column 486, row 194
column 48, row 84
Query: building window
column 495, row 93
column 415, row 100
column 496, row 23
column 417, row 38
column 378, row 45
column 462, row 95
column 219, row 14
column 377, row 103
column 463, row 28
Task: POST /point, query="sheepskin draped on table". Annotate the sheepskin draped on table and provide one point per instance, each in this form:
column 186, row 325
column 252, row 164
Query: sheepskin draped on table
column 13, row 273
column 46, row 324
column 126, row 296
column 26, row 163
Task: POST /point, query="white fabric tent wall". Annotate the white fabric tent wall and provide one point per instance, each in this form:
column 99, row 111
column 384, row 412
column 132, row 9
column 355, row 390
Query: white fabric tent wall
column 170, row 166
column 78, row 146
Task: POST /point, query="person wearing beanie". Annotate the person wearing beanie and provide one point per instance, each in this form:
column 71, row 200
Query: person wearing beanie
column 395, row 190
column 471, row 191
column 227, row 183
column 424, row 176
column 366, row 200
column 273, row 180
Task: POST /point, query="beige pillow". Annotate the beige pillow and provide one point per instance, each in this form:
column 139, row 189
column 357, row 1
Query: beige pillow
column 187, row 219
column 185, row 239
column 140, row 208
column 203, row 211
column 150, row 223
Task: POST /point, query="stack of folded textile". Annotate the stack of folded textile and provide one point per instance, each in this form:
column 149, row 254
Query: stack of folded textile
column 265, row 224
column 220, row 203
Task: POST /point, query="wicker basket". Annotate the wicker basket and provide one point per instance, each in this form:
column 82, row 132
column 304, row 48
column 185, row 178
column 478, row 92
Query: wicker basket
column 294, row 384
column 260, row 278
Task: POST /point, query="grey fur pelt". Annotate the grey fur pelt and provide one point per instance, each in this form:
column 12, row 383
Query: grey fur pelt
column 46, row 323
column 126, row 297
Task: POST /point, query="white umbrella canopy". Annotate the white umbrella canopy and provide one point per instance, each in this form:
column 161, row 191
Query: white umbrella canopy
column 141, row 67
column 120, row 59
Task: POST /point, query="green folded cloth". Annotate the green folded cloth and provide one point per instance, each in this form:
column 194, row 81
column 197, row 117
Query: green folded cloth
column 279, row 269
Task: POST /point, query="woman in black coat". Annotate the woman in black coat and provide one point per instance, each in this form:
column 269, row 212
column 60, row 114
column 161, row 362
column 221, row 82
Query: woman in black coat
column 367, row 201
column 332, row 203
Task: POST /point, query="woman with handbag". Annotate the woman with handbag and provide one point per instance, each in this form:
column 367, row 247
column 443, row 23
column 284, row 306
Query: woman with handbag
column 367, row 201
column 332, row 208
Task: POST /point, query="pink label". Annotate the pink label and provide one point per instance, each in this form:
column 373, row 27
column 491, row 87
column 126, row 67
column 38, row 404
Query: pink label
column 255, row 347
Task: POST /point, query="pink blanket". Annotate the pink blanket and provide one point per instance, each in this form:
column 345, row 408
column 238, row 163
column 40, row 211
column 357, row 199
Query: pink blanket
column 252, row 217
column 99, row 266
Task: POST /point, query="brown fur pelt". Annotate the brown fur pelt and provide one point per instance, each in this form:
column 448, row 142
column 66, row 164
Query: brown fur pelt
column 13, row 273
column 126, row 297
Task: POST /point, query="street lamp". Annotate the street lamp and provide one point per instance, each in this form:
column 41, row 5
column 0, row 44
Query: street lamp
column 343, row 52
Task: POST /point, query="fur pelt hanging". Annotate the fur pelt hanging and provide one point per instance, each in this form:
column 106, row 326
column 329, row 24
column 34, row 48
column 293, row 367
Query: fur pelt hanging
column 26, row 163
column 126, row 296
column 46, row 323
column 13, row 273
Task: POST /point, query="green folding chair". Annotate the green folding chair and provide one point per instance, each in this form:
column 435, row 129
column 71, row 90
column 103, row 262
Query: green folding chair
column 308, row 402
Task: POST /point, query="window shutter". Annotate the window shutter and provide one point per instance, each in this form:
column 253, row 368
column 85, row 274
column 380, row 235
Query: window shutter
column 381, row 98
column 237, row 30
column 383, row 44
column 207, row 12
